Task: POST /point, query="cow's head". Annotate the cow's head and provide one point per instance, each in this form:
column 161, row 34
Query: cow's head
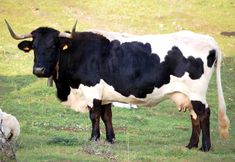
column 46, row 44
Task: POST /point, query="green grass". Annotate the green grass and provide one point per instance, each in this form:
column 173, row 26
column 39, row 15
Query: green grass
column 52, row 132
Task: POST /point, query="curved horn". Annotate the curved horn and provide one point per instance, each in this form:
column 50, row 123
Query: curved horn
column 74, row 28
column 66, row 35
column 15, row 36
column 69, row 35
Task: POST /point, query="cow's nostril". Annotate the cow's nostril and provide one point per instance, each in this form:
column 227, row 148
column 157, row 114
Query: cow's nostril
column 39, row 70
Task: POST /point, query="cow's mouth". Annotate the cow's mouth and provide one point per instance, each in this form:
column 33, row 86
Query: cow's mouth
column 41, row 74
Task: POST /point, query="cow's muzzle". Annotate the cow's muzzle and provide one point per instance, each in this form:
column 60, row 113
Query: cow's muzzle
column 39, row 71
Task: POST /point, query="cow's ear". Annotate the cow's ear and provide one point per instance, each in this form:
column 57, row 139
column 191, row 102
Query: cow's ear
column 65, row 44
column 26, row 46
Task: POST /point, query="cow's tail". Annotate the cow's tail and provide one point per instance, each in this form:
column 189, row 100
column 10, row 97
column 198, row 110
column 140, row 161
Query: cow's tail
column 223, row 121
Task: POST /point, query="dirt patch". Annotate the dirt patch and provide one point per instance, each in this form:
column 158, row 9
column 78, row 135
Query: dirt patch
column 67, row 129
column 70, row 129
column 101, row 149
column 228, row 34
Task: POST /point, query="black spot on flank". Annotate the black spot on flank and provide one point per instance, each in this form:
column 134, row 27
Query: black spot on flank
column 178, row 64
column 211, row 58
column 132, row 69
column 195, row 67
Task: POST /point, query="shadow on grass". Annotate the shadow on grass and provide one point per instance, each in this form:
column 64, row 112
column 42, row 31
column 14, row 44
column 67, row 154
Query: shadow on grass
column 63, row 141
column 11, row 83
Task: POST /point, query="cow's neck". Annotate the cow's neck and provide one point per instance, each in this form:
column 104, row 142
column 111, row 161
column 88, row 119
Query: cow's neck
column 54, row 76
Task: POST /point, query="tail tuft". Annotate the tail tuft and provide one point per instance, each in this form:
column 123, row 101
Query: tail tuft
column 223, row 124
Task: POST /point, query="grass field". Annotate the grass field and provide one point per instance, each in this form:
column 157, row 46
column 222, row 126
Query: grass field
column 51, row 132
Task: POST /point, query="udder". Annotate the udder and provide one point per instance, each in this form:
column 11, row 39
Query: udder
column 182, row 102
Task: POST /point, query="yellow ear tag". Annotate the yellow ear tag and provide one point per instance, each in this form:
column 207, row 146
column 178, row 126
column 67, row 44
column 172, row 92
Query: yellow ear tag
column 65, row 47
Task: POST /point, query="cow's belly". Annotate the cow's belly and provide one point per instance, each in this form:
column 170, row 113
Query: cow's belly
column 180, row 90
column 82, row 98
column 182, row 85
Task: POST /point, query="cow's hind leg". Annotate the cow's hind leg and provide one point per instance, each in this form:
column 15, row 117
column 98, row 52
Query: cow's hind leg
column 95, row 114
column 195, row 133
column 106, row 115
column 203, row 117
column 205, row 126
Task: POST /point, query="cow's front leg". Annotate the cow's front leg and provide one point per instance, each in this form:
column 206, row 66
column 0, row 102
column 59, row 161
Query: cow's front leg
column 95, row 113
column 106, row 115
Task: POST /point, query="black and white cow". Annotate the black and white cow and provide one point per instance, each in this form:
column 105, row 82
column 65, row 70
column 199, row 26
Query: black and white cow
column 91, row 71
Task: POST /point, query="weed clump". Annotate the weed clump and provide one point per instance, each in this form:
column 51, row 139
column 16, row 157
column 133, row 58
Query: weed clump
column 7, row 148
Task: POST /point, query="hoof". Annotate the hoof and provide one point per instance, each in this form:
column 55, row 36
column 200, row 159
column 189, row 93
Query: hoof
column 94, row 139
column 190, row 146
column 205, row 149
column 111, row 141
